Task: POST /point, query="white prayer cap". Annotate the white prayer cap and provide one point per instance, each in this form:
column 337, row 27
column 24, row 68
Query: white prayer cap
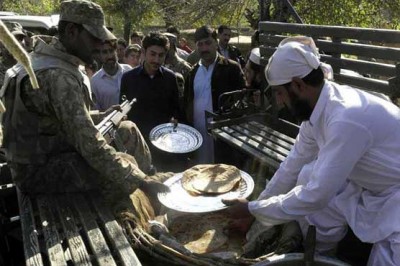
column 294, row 57
column 255, row 56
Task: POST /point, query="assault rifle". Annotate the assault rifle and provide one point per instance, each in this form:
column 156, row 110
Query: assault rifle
column 107, row 127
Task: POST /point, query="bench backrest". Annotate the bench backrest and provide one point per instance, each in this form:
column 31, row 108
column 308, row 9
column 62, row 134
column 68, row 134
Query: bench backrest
column 360, row 57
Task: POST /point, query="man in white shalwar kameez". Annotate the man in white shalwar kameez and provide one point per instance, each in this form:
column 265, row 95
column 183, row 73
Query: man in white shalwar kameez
column 344, row 168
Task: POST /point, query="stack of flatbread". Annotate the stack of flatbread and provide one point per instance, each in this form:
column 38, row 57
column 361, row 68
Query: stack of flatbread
column 210, row 179
column 200, row 233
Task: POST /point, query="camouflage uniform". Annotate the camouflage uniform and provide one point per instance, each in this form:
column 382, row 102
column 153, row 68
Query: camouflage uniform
column 179, row 65
column 181, row 69
column 50, row 138
column 3, row 70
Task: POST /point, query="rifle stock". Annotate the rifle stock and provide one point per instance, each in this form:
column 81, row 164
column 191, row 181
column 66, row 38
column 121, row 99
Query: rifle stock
column 108, row 125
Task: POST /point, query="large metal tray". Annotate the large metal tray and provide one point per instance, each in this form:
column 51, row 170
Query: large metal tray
column 180, row 200
column 179, row 139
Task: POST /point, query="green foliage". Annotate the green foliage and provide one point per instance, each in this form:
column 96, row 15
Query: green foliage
column 194, row 13
column 29, row 7
column 124, row 15
column 355, row 13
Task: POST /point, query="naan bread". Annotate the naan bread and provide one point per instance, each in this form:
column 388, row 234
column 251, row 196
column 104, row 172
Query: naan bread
column 200, row 233
column 210, row 178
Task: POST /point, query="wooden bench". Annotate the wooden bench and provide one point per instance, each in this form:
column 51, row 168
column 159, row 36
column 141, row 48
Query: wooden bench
column 258, row 135
column 72, row 229
column 362, row 58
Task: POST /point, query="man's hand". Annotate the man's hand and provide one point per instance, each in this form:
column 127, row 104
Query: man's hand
column 153, row 186
column 239, row 211
column 239, row 227
column 238, row 208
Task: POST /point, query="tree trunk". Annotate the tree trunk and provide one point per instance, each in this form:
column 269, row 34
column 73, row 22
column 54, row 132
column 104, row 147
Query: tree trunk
column 127, row 26
column 265, row 7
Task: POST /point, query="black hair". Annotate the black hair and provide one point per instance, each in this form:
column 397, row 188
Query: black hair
column 221, row 28
column 173, row 30
column 137, row 34
column 155, row 38
column 204, row 32
column 132, row 48
column 315, row 78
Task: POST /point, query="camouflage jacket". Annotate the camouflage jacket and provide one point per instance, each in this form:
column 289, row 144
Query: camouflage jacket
column 3, row 70
column 59, row 113
column 179, row 65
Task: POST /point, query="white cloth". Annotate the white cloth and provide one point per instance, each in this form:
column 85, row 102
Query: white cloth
column 331, row 227
column 255, row 56
column 203, row 101
column 106, row 88
column 294, row 57
column 355, row 139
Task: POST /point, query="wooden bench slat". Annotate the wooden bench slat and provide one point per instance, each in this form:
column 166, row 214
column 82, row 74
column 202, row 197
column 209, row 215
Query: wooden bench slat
column 262, row 141
column 246, row 148
column 257, row 129
column 49, row 228
column 254, row 144
column 360, row 66
column 345, row 47
column 76, row 244
column 96, row 239
column 274, row 136
column 377, row 35
column 115, row 234
column 365, row 83
column 274, row 132
column 29, row 232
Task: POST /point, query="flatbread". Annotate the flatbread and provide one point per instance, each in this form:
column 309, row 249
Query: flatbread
column 200, row 233
column 210, row 178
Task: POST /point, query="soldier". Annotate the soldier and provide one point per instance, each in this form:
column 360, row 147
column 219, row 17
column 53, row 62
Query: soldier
column 51, row 141
column 177, row 64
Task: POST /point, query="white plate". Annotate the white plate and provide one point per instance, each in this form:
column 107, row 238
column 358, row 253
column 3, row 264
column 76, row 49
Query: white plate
column 298, row 259
column 180, row 200
column 182, row 139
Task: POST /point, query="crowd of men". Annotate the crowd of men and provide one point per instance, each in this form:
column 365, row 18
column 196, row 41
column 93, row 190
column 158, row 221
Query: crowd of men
column 343, row 170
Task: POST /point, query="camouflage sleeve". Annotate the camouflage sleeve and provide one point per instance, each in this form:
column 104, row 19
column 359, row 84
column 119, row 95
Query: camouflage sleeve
column 67, row 100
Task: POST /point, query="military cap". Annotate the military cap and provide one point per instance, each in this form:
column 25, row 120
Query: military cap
column 90, row 15
column 15, row 28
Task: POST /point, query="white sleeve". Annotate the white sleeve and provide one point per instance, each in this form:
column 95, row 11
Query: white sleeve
column 304, row 151
column 345, row 144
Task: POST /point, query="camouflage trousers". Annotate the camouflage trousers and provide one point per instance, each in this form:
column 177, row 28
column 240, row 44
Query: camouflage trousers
column 135, row 145
column 69, row 172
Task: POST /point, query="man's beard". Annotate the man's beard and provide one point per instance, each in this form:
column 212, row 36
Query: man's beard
column 299, row 108
column 110, row 65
